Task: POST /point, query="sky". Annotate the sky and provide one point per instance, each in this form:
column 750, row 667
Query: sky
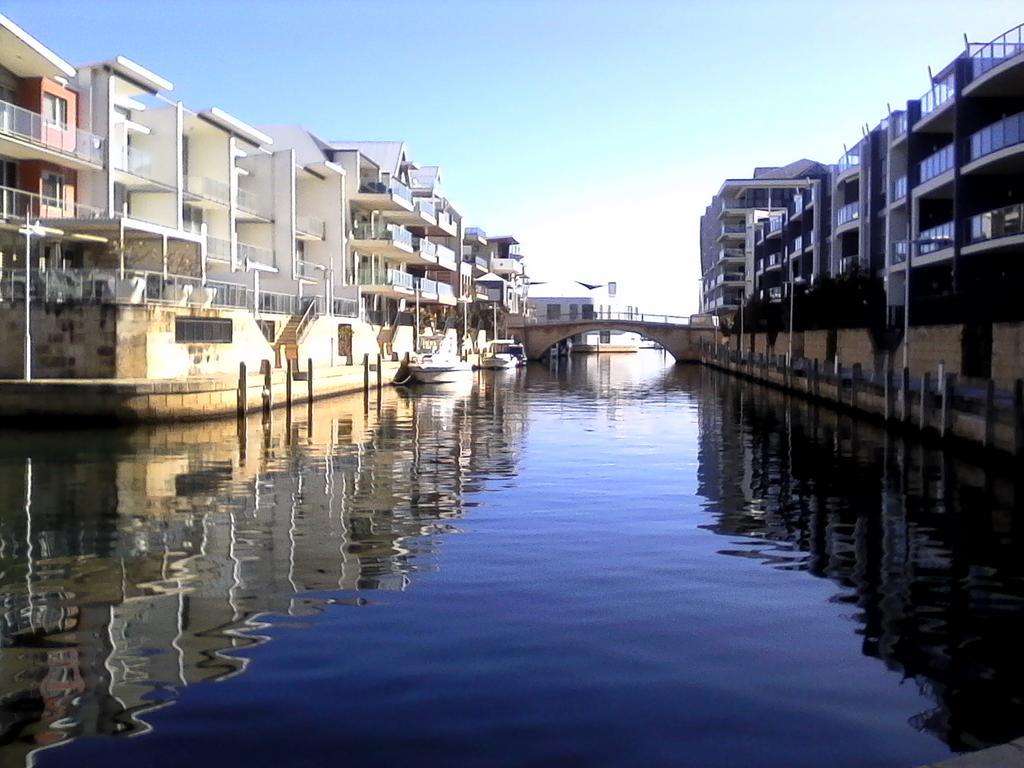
column 594, row 131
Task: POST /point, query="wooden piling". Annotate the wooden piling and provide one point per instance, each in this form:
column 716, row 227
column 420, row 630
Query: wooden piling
column 855, row 377
column 887, row 388
column 309, row 380
column 242, row 391
column 1018, row 417
column 946, row 419
column 905, row 392
column 380, row 374
column 288, row 389
column 924, row 408
column 268, row 389
column 989, row 412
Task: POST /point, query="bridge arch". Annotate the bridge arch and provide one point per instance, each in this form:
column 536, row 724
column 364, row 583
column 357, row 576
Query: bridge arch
column 681, row 341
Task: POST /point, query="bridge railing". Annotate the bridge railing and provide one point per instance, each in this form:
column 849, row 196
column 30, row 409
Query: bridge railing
column 607, row 315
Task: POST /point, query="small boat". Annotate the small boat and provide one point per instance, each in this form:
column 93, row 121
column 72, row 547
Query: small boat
column 500, row 354
column 437, row 362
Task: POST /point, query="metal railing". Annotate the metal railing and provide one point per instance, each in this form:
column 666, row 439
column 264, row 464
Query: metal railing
column 34, row 128
column 849, row 212
column 217, row 248
column 899, row 124
column 426, row 285
column 308, row 314
column 1001, row 134
column 311, row 225
column 445, row 220
column 992, row 54
column 601, row 314
column 426, row 208
column 445, row 256
column 899, row 188
column 255, row 253
column 211, row 189
column 797, row 245
column 18, row 204
column 135, row 161
column 279, row 303
column 898, row 252
column 939, row 94
column 389, row 232
column 935, row 164
column 345, row 307
column 391, row 277
column 775, row 224
column 425, row 248
column 991, row 225
column 391, row 187
column 306, row 269
column 734, row 229
column 444, row 289
column 846, row 162
column 943, row 233
column 249, row 201
column 476, row 232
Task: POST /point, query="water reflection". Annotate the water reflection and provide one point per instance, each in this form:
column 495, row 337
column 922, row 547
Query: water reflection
column 133, row 563
column 926, row 545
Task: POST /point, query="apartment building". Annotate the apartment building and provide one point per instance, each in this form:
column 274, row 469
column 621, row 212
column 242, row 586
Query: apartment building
column 216, row 241
column 738, row 259
column 933, row 189
column 507, row 282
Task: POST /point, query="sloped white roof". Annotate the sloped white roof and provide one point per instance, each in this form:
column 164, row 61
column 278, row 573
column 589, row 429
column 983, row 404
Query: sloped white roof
column 386, row 154
column 426, row 177
column 563, row 289
column 490, row 277
column 309, row 148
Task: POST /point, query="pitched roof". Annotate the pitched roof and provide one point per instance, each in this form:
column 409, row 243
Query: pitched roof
column 386, row 154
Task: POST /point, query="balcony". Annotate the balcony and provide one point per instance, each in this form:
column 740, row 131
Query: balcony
column 204, row 189
column 942, row 232
column 389, row 240
column 386, row 282
column 899, row 188
column 775, row 224
column 445, row 257
column 27, row 135
column 936, row 100
column 775, row 294
column 898, row 253
column 935, row 164
column 899, row 125
column 218, row 249
column 506, row 266
column 733, row 232
column 255, row 254
column 16, row 204
column 310, row 228
column 426, row 209
column 425, row 248
column 731, row 254
column 774, row 262
column 998, row 147
column 476, row 235
column 426, row 285
column 847, row 214
column 389, row 195
column 1004, row 224
column 848, row 163
column 994, row 55
column 797, row 246
column 249, row 203
column 134, row 162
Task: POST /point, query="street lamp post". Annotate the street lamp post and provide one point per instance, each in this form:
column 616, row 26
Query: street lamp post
column 940, row 241
column 29, row 230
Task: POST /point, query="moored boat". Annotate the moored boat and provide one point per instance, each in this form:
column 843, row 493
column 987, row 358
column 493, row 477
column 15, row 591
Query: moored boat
column 500, row 354
column 437, row 362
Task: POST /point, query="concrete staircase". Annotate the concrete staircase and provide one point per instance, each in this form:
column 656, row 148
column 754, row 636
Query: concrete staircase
column 287, row 344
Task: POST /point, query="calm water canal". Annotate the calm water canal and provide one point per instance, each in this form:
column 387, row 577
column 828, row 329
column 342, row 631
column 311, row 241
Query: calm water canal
column 625, row 563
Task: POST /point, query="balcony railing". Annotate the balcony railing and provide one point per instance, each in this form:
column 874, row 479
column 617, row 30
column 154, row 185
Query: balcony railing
column 775, row 224
column 34, row 128
column 898, row 253
column 211, row 189
column 445, row 290
column 445, row 220
column 425, row 248
column 390, row 277
column 111, row 286
column 943, row 233
column 935, row 164
column 992, row 225
column 734, row 229
column 999, row 135
column 939, row 94
column 218, row 249
column 445, row 256
column 426, row 285
column 849, row 212
column 991, row 55
column 18, row 204
column 255, row 253
column 135, row 161
column 798, row 244
column 426, row 208
column 899, row 188
column 476, row 232
column 306, row 270
column 311, row 225
column 389, row 232
column 899, row 124
column 346, row 307
column 249, row 201
column 848, row 161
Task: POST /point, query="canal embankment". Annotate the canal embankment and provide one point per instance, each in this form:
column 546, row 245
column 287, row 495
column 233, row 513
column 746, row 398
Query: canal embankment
column 937, row 404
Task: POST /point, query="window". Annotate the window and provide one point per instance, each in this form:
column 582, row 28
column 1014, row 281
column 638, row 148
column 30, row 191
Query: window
column 554, row 311
column 55, row 110
column 202, row 330
column 606, row 337
column 53, row 188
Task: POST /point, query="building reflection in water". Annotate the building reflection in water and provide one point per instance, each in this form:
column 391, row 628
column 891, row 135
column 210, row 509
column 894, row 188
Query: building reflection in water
column 134, row 563
column 925, row 546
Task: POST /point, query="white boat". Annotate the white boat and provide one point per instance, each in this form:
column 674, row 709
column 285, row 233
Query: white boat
column 500, row 354
column 437, row 362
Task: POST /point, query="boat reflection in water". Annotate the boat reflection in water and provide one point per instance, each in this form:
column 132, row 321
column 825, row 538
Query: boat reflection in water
column 135, row 563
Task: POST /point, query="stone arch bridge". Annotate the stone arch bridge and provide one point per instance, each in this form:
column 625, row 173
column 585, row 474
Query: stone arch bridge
column 674, row 333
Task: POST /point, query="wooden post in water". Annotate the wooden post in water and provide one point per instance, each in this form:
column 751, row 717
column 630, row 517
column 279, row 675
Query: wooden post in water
column 1018, row 417
column 905, row 392
column 380, row 373
column 288, row 389
column 887, row 389
column 268, row 389
column 925, row 405
column 990, row 411
column 946, row 420
column 854, row 383
column 242, row 391
column 366, row 381
column 309, row 380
